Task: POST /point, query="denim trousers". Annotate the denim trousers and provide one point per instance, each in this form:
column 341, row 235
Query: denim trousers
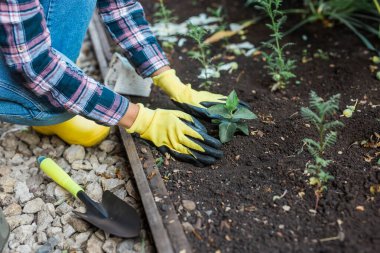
column 67, row 21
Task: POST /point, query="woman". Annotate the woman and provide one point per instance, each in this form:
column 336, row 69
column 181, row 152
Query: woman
column 40, row 85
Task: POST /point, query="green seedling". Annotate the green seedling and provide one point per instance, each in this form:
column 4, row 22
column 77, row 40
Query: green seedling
column 278, row 67
column 321, row 54
column 319, row 114
column 202, row 53
column 163, row 14
column 233, row 117
column 219, row 13
column 159, row 161
column 378, row 75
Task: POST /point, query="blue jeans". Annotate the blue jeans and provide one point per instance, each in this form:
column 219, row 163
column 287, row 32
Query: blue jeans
column 67, row 21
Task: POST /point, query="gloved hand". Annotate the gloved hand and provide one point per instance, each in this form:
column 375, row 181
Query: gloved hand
column 191, row 101
column 177, row 133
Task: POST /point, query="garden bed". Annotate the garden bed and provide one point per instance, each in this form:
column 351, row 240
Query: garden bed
column 235, row 210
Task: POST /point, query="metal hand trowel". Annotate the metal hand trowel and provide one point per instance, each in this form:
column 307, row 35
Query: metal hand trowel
column 113, row 215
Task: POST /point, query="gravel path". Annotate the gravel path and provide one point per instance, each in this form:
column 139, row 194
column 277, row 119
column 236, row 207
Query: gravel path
column 39, row 211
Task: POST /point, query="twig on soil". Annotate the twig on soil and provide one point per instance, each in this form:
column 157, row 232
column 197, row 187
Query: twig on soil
column 239, row 76
column 294, row 114
column 340, row 235
column 197, row 235
column 276, row 197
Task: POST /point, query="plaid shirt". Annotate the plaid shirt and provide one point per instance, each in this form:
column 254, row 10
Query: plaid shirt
column 26, row 45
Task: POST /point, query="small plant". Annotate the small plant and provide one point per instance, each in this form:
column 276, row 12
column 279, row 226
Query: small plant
column 279, row 68
column 319, row 114
column 163, row 14
column 321, row 54
column 159, row 161
column 232, row 117
column 202, row 53
column 219, row 13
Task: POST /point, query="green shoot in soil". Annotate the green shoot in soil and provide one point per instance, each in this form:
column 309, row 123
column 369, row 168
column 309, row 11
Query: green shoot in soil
column 219, row 13
column 232, row 117
column 279, row 68
column 319, row 114
column 202, row 53
column 163, row 14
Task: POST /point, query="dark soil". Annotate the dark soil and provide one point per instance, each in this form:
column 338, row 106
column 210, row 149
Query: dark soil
column 235, row 207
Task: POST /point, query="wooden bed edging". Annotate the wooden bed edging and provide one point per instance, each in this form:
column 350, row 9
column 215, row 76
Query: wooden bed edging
column 167, row 231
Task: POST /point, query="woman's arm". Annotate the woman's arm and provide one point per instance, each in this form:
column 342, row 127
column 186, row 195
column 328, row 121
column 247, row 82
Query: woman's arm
column 125, row 19
column 26, row 45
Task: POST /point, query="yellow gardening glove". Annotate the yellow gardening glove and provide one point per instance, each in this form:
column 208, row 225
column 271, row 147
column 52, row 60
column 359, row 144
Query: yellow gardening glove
column 190, row 100
column 178, row 134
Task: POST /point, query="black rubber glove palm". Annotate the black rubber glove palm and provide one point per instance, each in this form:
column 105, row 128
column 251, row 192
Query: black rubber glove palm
column 191, row 101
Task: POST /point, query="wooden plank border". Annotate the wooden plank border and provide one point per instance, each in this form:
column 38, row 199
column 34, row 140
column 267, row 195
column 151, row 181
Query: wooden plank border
column 160, row 235
column 167, row 231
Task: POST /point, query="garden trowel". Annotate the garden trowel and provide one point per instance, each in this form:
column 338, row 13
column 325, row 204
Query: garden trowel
column 113, row 215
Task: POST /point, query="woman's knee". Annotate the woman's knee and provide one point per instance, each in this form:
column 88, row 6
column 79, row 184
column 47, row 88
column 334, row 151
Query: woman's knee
column 19, row 106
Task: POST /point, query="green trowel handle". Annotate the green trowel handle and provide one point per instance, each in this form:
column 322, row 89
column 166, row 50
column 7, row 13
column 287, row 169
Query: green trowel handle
column 58, row 175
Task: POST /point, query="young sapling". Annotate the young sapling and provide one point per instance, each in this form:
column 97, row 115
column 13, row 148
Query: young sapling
column 218, row 12
column 202, row 53
column 319, row 113
column 163, row 14
column 232, row 117
column 278, row 66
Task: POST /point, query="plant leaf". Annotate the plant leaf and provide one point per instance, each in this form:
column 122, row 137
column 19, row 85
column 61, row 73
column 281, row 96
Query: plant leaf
column 226, row 131
column 243, row 127
column 309, row 115
column 244, row 113
column 314, row 181
column 324, row 176
column 322, row 162
column 232, row 101
column 219, row 109
column 333, row 124
column 330, row 140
